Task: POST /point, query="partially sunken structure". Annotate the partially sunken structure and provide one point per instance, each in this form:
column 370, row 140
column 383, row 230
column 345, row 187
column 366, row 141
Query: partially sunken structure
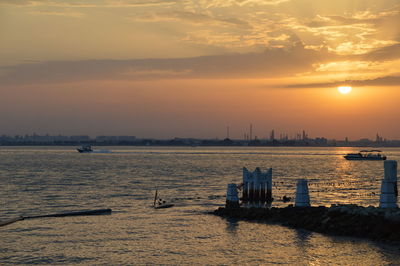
column 257, row 188
column 378, row 223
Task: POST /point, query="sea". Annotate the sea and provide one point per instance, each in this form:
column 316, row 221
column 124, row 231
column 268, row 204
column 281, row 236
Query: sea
column 47, row 180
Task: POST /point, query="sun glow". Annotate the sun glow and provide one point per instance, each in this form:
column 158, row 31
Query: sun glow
column 344, row 89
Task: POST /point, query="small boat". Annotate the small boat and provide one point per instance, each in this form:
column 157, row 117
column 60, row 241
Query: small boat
column 164, row 206
column 85, row 149
column 365, row 155
column 161, row 204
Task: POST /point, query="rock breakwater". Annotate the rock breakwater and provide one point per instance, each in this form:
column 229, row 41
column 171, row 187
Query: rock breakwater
column 344, row 220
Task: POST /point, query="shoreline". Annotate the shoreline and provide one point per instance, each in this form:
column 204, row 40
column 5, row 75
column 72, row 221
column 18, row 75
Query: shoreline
column 212, row 144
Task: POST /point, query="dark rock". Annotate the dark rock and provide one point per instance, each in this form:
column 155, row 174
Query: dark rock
column 345, row 220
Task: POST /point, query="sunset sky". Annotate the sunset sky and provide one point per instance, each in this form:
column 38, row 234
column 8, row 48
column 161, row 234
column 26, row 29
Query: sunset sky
column 185, row 68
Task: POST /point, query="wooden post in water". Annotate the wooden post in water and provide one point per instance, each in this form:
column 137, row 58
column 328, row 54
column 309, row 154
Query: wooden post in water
column 155, row 198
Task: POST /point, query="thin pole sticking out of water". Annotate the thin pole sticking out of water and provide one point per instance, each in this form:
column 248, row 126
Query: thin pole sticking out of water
column 155, row 198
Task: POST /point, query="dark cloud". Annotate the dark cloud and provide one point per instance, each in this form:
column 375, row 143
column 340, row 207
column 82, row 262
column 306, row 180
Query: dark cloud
column 336, row 21
column 377, row 19
column 382, row 81
column 41, row 3
column 270, row 63
column 17, row 2
column 348, row 21
column 385, row 53
column 86, row 3
column 191, row 17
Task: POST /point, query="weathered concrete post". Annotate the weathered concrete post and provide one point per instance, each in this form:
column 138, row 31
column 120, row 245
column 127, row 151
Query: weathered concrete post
column 389, row 193
column 246, row 179
column 268, row 177
column 232, row 199
column 390, row 167
column 263, row 195
column 256, row 189
column 302, row 195
column 251, row 191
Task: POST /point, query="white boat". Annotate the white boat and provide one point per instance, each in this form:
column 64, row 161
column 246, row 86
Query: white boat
column 365, row 155
column 85, row 149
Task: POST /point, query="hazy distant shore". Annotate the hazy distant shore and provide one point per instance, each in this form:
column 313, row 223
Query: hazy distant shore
column 202, row 143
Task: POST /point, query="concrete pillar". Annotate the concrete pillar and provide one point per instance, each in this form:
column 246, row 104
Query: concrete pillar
column 256, row 188
column 269, row 185
column 232, row 198
column 390, row 167
column 245, row 195
column 251, row 191
column 389, row 193
column 388, row 197
column 302, row 195
column 263, row 195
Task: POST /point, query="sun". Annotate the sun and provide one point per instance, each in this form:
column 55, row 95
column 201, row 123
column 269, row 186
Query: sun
column 344, row 89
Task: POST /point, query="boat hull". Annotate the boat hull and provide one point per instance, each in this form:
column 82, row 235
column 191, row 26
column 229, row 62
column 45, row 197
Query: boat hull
column 85, row 149
column 364, row 158
column 164, row 206
column 82, row 151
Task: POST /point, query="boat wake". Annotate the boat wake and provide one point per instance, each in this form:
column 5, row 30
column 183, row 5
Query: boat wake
column 102, row 151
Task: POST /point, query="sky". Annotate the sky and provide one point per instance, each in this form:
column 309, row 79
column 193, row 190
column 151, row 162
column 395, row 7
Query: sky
column 185, row 68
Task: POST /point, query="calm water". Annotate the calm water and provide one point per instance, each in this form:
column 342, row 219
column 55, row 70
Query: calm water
column 42, row 180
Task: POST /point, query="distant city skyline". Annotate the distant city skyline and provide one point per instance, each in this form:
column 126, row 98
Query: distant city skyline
column 284, row 140
column 272, row 135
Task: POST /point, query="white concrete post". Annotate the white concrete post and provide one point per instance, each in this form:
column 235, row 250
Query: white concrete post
column 302, row 195
column 232, row 199
column 388, row 198
column 246, row 180
column 251, row 190
column 256, row 189
column 268, row 177
column 262, row 190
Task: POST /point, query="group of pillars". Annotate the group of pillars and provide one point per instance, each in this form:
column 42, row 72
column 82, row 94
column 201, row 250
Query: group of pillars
column 257, row 189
